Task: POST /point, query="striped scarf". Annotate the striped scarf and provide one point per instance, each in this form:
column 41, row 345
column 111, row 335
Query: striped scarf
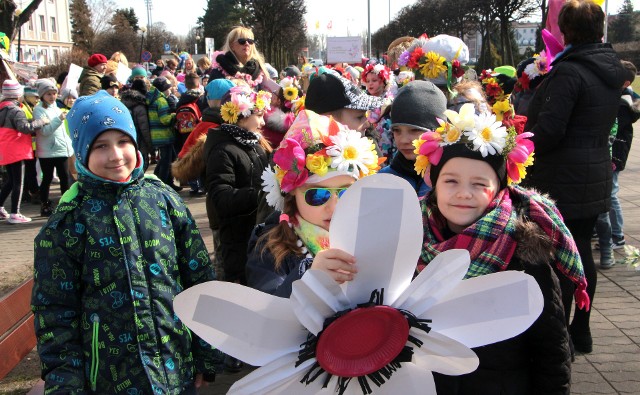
column 491, row 242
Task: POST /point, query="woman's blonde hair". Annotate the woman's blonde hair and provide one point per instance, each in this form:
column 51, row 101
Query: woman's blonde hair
column 245, row 32
column 119, row 57
column 204, row 63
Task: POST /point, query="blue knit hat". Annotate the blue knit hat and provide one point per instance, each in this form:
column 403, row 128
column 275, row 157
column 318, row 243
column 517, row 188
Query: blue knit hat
column 138, row 71
column 92, row 115
column 217, row 88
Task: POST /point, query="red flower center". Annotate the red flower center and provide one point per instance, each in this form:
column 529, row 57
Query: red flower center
column 362, row 341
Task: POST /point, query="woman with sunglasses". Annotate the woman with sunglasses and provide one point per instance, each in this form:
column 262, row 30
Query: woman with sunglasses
column 317, row 160
column 239, row 58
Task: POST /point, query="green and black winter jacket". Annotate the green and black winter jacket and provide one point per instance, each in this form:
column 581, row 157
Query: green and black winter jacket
column 108, row 265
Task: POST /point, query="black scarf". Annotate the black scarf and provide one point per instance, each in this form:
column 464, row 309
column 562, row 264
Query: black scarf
column 231, row 65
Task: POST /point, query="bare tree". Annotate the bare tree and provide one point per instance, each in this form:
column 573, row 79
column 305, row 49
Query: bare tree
column 508, row 11
column 101, row 13
column 10, row 20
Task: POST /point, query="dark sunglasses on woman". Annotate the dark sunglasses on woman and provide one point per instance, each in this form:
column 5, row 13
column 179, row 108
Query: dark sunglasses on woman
column 243, row 41
column 318, row 196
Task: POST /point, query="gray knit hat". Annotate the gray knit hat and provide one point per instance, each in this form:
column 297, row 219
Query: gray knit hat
column 418, row 104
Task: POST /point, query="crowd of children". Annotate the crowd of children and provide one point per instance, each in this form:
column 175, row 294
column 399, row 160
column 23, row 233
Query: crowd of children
column 121, row 243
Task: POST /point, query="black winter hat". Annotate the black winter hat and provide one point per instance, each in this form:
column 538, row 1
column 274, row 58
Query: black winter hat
column 328, row 92
column 161, row 84
column 460, row 150
column 418, row 104
column 108, row 81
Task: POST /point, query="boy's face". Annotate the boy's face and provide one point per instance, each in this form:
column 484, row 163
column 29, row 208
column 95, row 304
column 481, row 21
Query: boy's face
column 113, row 156
column 113, row 91
column 404, row 135
column 464, row 189
column 353, row 119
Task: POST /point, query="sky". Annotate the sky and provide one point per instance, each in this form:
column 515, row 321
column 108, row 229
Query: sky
column 347, row 17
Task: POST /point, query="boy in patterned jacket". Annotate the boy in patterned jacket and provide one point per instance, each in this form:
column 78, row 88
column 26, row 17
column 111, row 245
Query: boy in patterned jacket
column 108, row 263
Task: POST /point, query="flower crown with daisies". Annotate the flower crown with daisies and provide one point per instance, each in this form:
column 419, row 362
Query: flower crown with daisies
column 244, row 102
column 482, row 133
column 537, row 68
column 439, row 59
column 380, row 70
column 314, row 149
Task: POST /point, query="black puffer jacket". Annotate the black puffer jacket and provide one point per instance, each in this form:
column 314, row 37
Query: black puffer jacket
column 536, row 362
column 234, row 188
column 137, row 105
column 571, row 116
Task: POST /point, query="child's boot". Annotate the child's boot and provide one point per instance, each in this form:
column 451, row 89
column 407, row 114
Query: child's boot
column 46, row 209
column 606, row 257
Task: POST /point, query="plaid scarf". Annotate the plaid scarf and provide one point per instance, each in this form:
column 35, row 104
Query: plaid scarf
column 491, row 243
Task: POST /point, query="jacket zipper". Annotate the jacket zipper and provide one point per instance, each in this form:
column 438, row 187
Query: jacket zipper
column 95, row 361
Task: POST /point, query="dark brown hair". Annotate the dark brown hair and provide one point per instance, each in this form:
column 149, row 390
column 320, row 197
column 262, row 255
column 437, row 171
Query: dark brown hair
column 281, row 240
column 191, row 80
column 630, row 69
column 581, row 22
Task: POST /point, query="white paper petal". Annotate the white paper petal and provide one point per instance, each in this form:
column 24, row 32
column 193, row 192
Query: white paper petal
column 315, row 297
column 442, row 354
column 409, row 379
column 378, row 220
column 437, row 279
column 250, row 325
column 488, row 309
column 272, row 377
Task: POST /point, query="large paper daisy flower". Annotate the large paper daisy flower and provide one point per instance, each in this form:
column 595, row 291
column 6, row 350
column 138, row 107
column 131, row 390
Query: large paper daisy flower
column 488, row 136
column 351, row 152
column 380, row 333
column 271, row 185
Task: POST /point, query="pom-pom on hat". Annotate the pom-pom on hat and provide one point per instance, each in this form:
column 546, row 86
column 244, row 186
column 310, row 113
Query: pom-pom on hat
column 45, row 85
column 92, row 115
column 316, row 148
column 480, row 137
column 217, row 88
column 329, row 92
column 418, row 104
column 96, row 59
column 12, row 89
column 241, row 101
column 439, row 59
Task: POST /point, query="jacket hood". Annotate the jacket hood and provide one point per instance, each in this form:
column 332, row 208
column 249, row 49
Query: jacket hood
column 153, row 95
column 188, row 97
column 131, row 97
column 601, row 59
column 534, row 245
column 212, row 114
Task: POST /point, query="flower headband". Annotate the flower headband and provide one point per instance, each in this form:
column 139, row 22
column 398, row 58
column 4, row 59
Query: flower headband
column 482, row 133
column 290, row 91
column 379, row 69
column 245, row 102
column 440, row 59
column 538, row 68
column 316, row 148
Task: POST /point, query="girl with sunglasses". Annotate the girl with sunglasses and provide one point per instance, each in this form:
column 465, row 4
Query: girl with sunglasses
column 317, row 160
column 239, row 58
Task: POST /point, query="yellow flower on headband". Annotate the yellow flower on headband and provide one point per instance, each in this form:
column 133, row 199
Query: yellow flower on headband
column 318, row 164
column 229, row 112
column 433, row 65
column 290, row 93
column 500, row 108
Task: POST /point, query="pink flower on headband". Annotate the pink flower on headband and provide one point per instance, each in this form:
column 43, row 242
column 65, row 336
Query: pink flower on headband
column 520, row 156
column 291, row 158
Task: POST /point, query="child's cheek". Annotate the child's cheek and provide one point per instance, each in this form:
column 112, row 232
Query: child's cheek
column 488, row 193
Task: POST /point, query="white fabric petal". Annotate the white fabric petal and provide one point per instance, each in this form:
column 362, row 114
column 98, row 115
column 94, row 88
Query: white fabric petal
column 488, row 309
column 272, row 377
column 378, row 220
column 315, row 297
column 442, row 354
column 250, row 325
column 437, row 279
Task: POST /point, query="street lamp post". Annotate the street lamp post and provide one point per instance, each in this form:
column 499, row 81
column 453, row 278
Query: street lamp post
column 143, row 30
column 19, row 57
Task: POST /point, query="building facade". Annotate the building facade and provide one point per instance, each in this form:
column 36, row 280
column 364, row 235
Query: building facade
column 46, row 35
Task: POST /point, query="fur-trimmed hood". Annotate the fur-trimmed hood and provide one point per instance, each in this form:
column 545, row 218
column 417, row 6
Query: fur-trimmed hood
column 132, row 97
column 278, row 120
column 534, row 245
column 192, row 164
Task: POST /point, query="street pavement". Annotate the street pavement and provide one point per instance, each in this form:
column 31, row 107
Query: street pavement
column 612, row 368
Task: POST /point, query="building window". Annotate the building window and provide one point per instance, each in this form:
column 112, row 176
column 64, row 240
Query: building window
column 31, row 24
column 56, row 55
column 43, row 27
column 53, row 24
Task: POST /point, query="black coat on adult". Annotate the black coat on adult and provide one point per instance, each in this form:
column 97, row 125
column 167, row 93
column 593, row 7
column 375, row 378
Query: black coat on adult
column 536, row 362
column 234, row 191
column 137, row 105
column 571, row 116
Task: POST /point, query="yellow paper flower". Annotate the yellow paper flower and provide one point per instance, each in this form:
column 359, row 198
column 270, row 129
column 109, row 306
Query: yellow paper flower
column 422, row 162
column 416, row 144
column 229, row 112
column 259, row 105
column 500, row 108
column 318, row 164
column 522, row 168
column 290, row 93
column 433, row 65
column 450, row 134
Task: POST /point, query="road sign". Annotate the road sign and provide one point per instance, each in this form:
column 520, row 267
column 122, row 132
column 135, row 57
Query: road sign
column 167, row 47
column 146, row 56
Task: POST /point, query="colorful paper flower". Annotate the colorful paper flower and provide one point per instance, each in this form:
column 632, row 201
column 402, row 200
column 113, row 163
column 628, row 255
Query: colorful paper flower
column 520, row 156
column 244, row 102
column 271, row 185
column 488, row 136
column 290, row 93
column 229, row 112
column 432, row 65
column 351, row 152
column 501, row 109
